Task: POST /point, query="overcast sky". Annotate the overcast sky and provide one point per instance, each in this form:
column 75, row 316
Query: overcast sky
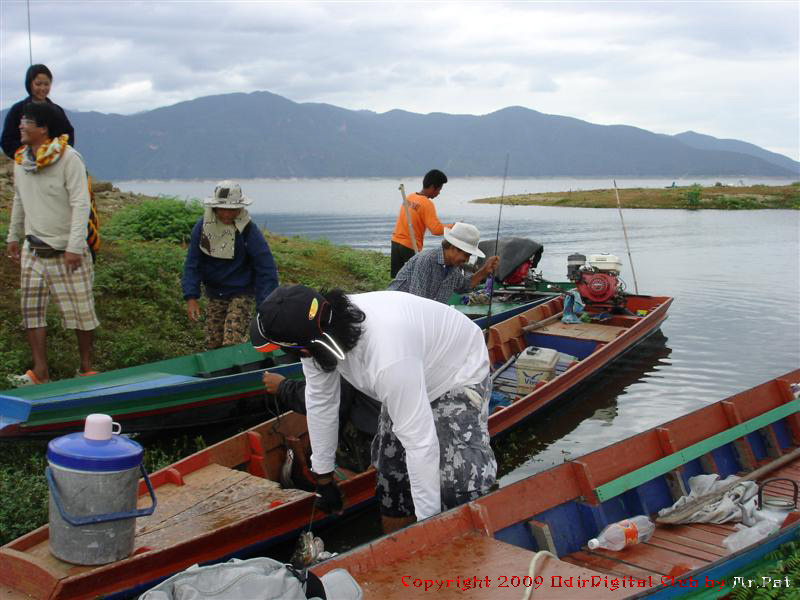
column 728, row 69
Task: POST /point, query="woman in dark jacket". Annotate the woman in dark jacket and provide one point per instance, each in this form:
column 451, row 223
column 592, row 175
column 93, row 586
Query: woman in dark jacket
column 38, row 80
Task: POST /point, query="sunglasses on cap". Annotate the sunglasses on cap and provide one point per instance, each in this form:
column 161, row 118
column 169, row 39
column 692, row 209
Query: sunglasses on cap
column 289, row 345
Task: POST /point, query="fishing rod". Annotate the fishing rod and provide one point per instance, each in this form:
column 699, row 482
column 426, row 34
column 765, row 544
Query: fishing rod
column 490, row 279
column 625, row 233
column 30, row 45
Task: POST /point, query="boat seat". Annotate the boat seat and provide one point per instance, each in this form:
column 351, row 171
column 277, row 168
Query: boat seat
column 597, row 332
column 210, row 498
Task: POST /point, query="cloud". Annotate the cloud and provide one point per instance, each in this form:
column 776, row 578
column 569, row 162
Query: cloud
column 729, row 69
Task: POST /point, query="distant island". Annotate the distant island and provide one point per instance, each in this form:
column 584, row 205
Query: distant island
column 719, row 197
column 261, row 134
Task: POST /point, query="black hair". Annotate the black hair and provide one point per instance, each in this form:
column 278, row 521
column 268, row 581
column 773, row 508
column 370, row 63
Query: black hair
column 344, row 327
column 44, row 115
column 446, row 245
column 434, row 178
column 31, row 74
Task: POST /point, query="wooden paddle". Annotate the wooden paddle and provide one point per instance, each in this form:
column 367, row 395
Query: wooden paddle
column 402, row 189
column 537, row 324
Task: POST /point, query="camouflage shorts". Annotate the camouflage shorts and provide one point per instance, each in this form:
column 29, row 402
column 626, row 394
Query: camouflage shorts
column 467, row 464
column 228, row 320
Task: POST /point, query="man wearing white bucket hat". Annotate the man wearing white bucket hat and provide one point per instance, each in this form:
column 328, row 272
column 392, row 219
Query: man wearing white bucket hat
column 230, row 257
column 437, row 273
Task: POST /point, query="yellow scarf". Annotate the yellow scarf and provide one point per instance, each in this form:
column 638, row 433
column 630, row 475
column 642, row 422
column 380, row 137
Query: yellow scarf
column 47, row 154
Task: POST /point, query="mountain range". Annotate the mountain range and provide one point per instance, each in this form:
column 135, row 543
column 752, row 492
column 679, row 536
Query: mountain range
column 261, row 134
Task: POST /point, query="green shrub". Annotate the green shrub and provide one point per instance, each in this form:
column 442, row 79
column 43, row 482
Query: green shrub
column 370, row 267
column 23, row 501
column 693, row 197
column 168, row 219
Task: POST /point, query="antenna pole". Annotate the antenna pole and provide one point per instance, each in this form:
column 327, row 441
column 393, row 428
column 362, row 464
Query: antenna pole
column 30, row 45
column 625, row 233
column 490, row 280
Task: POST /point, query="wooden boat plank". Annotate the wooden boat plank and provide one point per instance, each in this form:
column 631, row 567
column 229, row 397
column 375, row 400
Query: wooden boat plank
column 724, row 529
column 41, row 552
column 233, row 505
column 610, row 566
column 693, row 532
column 454, row 564
column 669, row 534
column 29, row 574
column 238, row 490
column 584, row 331
column 175, row 499
column 653, row 558
column 684, row 549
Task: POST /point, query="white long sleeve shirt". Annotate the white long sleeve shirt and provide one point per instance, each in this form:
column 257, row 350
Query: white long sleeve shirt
column 52, row 204
column 412, row 351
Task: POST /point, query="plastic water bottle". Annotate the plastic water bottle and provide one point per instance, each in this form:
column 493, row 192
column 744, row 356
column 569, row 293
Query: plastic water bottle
column 624, row 533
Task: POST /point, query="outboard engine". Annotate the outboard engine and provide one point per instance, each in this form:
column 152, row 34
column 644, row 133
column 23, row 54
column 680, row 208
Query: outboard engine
column 598, row 282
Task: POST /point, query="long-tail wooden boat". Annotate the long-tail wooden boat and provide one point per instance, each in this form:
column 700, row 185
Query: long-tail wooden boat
column 216, row 386
column 225, row 499
column 486, row 548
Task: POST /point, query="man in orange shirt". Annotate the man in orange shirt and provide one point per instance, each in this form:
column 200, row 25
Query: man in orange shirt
column 423, row 215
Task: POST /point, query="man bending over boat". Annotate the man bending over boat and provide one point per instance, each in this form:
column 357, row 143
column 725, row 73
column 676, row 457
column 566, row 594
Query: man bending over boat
column 230, row 257
column 427, row 365
column 437, row 273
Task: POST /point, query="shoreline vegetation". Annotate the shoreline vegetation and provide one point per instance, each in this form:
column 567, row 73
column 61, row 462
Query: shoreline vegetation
column 693, row 197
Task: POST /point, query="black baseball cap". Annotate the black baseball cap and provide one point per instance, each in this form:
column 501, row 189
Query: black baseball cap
column 290, row 317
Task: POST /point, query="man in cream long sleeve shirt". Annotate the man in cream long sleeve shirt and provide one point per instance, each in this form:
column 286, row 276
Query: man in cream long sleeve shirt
column 51, row 210
column 426, row 364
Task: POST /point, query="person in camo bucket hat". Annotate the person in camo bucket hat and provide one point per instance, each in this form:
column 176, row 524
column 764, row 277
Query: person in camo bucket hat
column 427, row 365
column 229, row 257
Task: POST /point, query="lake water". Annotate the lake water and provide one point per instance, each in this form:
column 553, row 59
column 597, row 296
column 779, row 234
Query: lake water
column 735, row 277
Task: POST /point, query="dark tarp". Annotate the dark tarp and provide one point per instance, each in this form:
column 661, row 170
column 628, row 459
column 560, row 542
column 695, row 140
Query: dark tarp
column 513, row 252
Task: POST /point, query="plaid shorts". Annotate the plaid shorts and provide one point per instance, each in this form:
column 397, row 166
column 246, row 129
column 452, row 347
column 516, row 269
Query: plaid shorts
column 466, row 461
column 41, row 278
column 228, row 320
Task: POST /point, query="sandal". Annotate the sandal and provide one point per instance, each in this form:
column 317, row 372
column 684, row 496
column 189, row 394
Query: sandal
column 24, row 380
column 78, row 373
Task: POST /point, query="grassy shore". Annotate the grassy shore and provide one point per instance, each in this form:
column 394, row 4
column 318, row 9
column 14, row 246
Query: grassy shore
column 718, row 197
column 143, row 318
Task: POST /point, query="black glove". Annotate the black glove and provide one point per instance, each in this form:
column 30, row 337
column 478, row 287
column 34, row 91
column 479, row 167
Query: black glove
column 329, row 498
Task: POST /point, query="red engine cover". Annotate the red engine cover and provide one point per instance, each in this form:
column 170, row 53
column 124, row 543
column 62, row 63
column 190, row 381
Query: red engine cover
column 518, row 275
column 597, row 287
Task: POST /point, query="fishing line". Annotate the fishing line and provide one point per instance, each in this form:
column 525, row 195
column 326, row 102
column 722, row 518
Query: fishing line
column 490, row 280
column 625, row 233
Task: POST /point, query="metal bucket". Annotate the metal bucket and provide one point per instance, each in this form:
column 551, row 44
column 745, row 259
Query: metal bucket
column 93, row 492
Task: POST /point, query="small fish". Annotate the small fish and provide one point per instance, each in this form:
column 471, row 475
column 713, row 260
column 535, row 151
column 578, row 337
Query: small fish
column 308, row 551
column 286, row 470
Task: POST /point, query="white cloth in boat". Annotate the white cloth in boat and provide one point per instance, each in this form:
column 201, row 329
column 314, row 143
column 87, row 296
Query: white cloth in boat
column 412, row 351
column 733, row 505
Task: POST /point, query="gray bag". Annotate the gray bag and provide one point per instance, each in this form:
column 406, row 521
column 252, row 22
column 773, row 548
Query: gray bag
column 256, row 579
